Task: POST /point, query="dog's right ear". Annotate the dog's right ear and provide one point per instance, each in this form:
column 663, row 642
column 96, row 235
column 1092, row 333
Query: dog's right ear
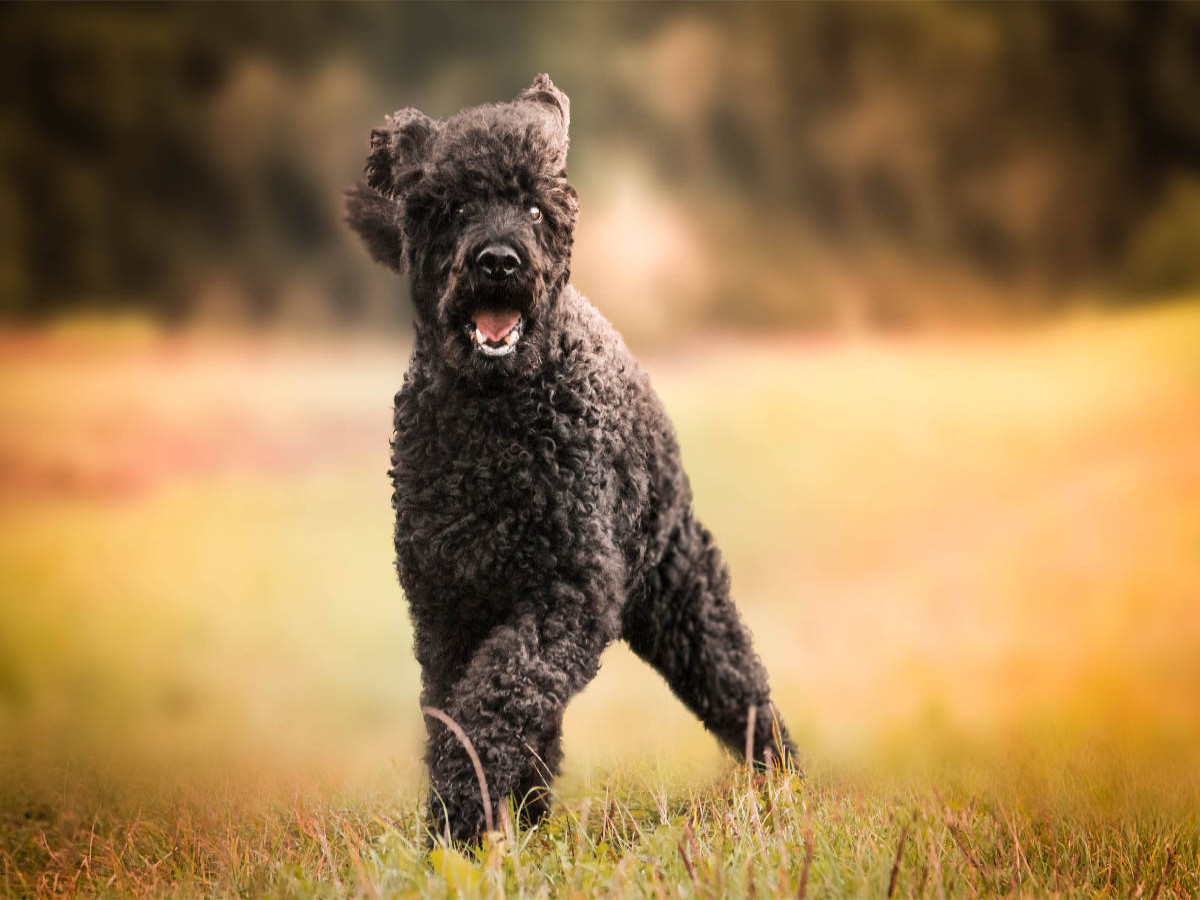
column 394, row 164
column 398, row 152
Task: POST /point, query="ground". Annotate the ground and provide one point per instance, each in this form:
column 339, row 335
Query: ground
column 971, row 565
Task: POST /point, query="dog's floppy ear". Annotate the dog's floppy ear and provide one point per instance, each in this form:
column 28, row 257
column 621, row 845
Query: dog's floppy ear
column 377, row 220
column 394, row 164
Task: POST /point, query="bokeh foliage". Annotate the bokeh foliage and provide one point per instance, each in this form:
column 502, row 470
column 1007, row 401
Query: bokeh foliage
column 776, row 164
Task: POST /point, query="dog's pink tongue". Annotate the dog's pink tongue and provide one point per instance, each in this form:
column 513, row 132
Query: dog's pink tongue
column 496, row 325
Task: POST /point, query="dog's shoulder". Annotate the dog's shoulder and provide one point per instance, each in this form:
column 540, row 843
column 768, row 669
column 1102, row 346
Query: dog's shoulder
column 592, row 356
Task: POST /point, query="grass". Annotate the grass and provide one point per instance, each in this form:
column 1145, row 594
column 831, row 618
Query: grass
column 739, row 836
column 972, row 567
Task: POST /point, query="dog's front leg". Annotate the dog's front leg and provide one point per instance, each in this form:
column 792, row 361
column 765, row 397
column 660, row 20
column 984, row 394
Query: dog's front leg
column 510, row 704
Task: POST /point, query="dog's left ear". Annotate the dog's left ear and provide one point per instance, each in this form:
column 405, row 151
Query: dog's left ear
column 543, row 91
column 555, row 102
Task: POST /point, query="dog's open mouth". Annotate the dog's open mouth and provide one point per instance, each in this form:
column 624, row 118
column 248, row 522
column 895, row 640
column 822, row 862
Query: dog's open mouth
column 495, row 333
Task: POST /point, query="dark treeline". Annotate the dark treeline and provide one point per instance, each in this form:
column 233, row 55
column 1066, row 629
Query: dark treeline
column 802, row 160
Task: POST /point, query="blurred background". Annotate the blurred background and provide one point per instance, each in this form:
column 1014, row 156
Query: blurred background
column 919, row 284
column 751, row 166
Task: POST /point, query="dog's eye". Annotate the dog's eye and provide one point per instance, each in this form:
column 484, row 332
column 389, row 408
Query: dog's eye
column 459, row 212
column 535, row 214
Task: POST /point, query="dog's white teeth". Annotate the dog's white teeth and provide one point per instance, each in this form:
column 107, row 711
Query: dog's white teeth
column 479, row 338
column 489, row 350
column 511, row 338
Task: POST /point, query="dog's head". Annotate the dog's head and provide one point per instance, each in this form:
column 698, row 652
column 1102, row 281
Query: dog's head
column 477, row 210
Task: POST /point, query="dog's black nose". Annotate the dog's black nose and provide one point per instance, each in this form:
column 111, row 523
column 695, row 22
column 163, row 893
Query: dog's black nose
column 498, row 261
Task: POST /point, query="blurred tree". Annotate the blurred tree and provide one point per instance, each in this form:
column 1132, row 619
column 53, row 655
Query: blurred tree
column 805, row 162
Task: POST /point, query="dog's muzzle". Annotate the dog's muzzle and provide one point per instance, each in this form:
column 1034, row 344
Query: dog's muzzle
column 497, row 323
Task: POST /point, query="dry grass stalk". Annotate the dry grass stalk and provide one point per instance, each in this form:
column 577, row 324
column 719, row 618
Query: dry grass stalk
column 802, row 892
column 936, row 867
column 896, row 861
column 337, row 882
column 960, row 841
column 687, row 860
column 751, row 717
column 470, row 748
column 1166, row 875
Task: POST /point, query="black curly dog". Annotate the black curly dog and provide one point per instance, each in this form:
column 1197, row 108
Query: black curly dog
column 541, row 507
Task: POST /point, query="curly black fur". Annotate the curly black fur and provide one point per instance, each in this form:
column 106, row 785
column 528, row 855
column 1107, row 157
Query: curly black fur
column 541, row 507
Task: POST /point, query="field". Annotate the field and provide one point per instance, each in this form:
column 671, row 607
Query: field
column 971, row 563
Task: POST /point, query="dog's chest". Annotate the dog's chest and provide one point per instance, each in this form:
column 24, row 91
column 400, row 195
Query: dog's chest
column 493, row 498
